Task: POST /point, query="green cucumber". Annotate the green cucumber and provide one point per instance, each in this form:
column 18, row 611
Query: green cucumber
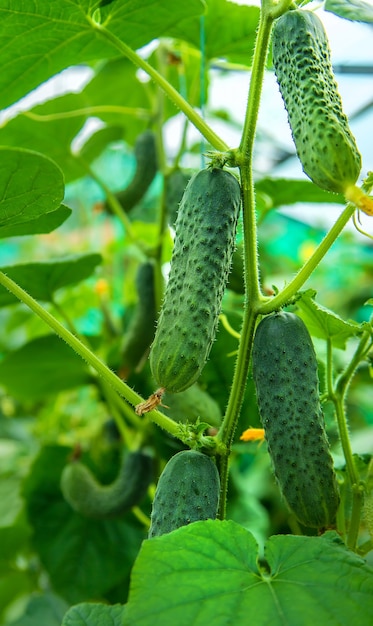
column 187, row 491
column 88, row 497
column 287, row 388
column 325, row 145
column 140, row 332
column 145, row 153
column 200, row 265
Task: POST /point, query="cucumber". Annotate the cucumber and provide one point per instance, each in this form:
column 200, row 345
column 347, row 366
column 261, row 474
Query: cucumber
column 325, row 145
column 175, row 184
column 287, row 388
column 88, row 497
column 145, row 153
column 191, row 404
column 200, row 265
column 187, row 491
column 141, row 329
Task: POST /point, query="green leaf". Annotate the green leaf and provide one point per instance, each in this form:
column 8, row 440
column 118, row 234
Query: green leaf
column 31, row 186
column 208, row 572
column 235, row 42
column 42, row 280
column 89, row 614
column 39, row 39
column 41, row 367
column 50, row 128
column 40, row 225
column 354, row 10
column 325, row 324
column 42, row 608
column 276, row 192
column 84, row 558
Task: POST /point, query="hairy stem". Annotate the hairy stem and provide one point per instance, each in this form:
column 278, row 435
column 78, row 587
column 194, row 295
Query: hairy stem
column 85, row 353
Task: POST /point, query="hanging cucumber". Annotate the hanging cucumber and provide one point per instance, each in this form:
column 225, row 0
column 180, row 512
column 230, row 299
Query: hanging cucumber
column 88, row 497
column 200, row 265
column 141, row 329
column 325, row 145
column 187, row 491
column 287, row 387
column 145, row 153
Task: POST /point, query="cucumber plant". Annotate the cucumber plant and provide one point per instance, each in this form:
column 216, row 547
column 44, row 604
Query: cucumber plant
column 201, row 251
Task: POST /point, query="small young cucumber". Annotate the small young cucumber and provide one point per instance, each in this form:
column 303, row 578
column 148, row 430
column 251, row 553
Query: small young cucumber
column 187, row 491
column 287, row 387
column 91, row 499
column 200, row 265
column 324, row 142
column 141, row 329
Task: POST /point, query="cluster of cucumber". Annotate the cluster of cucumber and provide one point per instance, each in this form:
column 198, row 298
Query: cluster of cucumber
column 284, row 361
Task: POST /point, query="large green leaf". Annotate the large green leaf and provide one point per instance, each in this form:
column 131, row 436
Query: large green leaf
column 38, row 39
column 228, row 31
column 90, row 614
column 42, row 280
column 31, row 186
column 42, row 366
column 40, row 225
column 208, row 573
column 84, row 558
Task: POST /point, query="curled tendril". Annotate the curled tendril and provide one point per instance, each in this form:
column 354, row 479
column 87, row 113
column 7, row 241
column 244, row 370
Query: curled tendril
column 356, row 221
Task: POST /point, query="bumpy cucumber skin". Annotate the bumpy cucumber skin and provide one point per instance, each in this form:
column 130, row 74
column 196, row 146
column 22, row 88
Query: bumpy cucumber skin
column 287, row 387
column 141, row 330
column 91, row 499
column 145, row 153
column 187, row 491
column 324, row 142
column 200, row 265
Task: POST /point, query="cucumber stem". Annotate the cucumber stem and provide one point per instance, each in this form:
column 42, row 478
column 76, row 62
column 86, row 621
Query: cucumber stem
column 171, row 92
column 337, row 395
column 87, row 355
column 282, row 298
column 252, row 287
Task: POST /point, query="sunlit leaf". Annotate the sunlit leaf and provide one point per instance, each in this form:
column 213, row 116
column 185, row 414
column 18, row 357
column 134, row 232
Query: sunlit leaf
column 209, row 572
column 39, row 39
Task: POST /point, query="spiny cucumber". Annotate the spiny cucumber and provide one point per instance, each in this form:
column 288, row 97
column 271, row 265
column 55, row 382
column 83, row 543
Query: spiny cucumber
column 325, row 145
column 200, row 265
column 287, row 387
column 187, row 491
